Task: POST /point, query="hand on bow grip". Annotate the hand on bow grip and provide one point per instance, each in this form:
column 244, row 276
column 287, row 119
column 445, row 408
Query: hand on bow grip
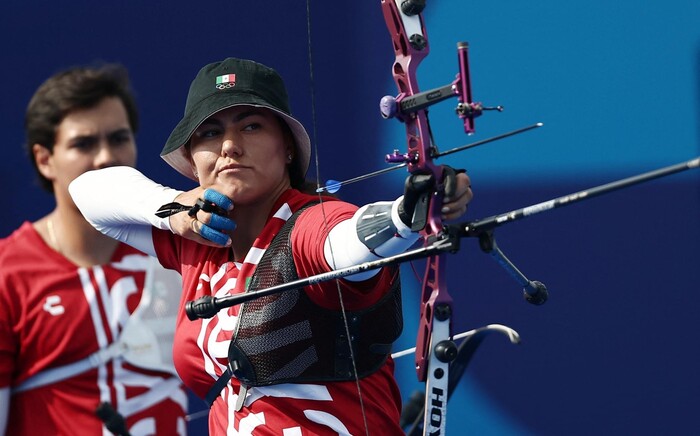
column 419, row 188
column 206, row 222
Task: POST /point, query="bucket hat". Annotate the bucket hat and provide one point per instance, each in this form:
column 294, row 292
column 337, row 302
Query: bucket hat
column 233, row 82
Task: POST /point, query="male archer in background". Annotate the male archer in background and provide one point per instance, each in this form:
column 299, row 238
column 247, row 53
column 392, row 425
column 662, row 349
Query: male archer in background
column 66, row 290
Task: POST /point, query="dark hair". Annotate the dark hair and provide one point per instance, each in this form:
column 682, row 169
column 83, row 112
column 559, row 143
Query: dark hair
column 69, row 90
column 296, row 177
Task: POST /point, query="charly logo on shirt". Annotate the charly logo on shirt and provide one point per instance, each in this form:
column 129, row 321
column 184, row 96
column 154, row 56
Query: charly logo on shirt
column 53, row 305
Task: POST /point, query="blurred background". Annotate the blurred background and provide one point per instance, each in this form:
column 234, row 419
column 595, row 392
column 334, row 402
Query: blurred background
column 617, row 86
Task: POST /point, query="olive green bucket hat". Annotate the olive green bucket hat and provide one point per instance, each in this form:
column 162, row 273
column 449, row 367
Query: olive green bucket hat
column 233, row 82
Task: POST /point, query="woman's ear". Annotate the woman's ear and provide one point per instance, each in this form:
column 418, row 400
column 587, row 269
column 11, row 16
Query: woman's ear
column 44, row 163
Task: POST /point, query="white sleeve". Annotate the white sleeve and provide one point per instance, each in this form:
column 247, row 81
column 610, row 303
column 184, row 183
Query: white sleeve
column 4, row 409
column 121, row 203
column 344, row 247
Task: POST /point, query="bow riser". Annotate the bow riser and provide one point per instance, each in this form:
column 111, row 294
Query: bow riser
column 410, row 48
column 436, row 304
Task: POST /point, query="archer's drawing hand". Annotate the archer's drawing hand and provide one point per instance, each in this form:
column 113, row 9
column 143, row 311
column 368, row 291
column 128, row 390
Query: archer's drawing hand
column 207, row 220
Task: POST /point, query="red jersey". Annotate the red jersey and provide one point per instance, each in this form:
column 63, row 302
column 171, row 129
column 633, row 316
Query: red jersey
column 201, row 346
column 53, row 313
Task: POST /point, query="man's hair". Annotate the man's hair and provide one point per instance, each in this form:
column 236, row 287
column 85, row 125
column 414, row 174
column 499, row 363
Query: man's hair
column 73, row 89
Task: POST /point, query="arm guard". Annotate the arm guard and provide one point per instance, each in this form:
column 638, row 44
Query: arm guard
column 374, row 232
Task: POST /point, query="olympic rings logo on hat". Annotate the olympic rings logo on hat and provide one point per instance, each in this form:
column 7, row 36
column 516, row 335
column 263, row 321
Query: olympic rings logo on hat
column 225, row 85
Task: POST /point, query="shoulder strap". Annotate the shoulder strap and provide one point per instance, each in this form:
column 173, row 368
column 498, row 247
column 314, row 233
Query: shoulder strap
column 64, row 372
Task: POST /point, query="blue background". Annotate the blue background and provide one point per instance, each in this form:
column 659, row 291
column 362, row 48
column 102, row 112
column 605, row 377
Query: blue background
column 617, row 85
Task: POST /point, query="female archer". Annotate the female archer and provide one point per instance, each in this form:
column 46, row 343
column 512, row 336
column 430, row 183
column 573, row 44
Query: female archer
column 281, row 364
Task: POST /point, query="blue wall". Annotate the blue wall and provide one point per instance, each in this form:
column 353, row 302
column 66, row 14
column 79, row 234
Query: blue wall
column 617, row 86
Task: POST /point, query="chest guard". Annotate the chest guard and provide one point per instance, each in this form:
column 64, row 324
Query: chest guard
column 287, row 338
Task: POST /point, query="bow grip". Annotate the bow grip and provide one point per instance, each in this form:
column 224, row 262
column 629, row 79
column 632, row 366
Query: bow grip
column 414, row 209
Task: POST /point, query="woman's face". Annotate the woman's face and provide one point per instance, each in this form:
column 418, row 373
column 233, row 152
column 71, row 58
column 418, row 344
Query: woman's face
column 243, row 153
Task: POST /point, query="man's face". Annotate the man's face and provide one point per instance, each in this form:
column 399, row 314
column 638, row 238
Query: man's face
column 89, row 139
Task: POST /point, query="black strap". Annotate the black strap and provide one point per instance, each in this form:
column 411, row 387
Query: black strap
column 171, row 209
column 114, row 422
column 206, row 206
column 218, row 387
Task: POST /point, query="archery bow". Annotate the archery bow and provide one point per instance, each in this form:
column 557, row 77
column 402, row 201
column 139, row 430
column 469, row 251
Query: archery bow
column 436, row 304
column 434, row 348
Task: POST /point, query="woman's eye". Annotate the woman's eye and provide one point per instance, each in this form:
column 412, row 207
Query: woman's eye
column 252, row 126
column 208, row 133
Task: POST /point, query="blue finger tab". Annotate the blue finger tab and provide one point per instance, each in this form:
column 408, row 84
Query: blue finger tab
column 212, row 235
column 218, row 199
column 219, row 222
